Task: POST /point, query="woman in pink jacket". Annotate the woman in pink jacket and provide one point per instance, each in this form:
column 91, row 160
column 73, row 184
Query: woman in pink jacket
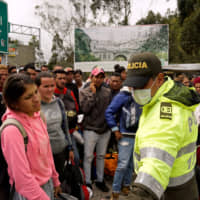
column 32, row 170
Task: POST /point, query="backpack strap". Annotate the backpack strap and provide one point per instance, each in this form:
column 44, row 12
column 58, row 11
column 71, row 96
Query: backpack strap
column 62, row 108
column 43, row 117
column 12, row 121
column 64, row 123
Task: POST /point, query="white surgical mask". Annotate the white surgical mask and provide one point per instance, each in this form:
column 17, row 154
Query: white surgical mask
column 143, row 96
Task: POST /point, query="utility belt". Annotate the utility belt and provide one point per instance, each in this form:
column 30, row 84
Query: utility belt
column 72, row 118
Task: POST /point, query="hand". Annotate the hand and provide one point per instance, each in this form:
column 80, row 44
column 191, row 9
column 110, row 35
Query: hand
column 71, row 155
column 118, row 135
column 92, row 87
column 57, row 190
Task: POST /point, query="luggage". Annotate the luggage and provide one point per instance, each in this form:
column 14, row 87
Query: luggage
column 110, row 163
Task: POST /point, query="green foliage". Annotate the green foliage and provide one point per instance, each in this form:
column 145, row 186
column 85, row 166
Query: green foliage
column 54, row 21
column 82, row 47
column 60, row 55
column 186, row 8
column 82, row 44
column 189, row 39
column 56, row 18
column 153, row 18
column 34, row 42
column 15, row 42
column 175, row 50
column 184, row 40
column 184, row 26
column 118, row 11
column 157, row 43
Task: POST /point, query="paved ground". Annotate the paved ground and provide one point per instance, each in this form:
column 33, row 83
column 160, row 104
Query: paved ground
column 98, row 195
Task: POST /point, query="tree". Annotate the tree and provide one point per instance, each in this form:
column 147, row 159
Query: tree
column 153, row 18
column 59, row 53
column 189, row 37
column 170, row 18
column 59, row 18
column 116, row 11
column 184, row 26
column 186, row 8
column 39, row 56
column 55, row 20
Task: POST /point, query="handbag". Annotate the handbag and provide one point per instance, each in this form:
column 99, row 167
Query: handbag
column 110, row 163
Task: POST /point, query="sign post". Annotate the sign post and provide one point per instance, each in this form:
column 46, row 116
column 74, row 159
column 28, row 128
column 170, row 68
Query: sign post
column 3, row 30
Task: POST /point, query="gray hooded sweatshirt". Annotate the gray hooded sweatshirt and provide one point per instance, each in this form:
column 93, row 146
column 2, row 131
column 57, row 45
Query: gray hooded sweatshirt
column 53, row 115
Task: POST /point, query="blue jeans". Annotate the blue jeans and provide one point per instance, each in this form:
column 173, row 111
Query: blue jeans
column 124, row 171
column 92, row 139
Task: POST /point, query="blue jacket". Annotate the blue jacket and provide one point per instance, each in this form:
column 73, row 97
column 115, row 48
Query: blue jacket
column 123, row 113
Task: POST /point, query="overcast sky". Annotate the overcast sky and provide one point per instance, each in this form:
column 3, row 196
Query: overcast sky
column 22, row 12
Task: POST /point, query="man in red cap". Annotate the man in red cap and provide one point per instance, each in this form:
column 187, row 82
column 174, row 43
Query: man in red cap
column 94, row 100
column 196, row 84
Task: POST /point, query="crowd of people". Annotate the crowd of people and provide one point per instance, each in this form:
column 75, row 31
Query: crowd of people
column 150, row 119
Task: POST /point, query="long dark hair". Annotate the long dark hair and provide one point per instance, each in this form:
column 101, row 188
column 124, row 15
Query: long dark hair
column 14, row 88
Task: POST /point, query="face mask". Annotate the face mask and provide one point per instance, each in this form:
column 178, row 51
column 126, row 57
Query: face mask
column 143, row 96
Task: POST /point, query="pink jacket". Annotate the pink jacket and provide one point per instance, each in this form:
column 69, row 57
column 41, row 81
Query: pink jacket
column 29, row 170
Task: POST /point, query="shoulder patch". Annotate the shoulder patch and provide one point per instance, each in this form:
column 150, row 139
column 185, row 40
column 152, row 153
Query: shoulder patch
column 165, row 110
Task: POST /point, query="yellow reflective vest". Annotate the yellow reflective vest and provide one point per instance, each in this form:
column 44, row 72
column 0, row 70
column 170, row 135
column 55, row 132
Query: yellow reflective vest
column 165, row 145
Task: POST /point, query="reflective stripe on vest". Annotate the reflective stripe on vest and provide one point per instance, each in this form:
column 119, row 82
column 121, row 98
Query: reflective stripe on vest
column 151, row 183
column 176, row 181
column 187, row 149
column 160, row 154
column 152, row 152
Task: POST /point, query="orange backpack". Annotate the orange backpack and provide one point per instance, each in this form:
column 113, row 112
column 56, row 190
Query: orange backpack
column 110, row 163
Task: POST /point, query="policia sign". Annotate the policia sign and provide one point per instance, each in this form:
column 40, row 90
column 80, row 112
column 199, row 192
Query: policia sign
column 165, row 110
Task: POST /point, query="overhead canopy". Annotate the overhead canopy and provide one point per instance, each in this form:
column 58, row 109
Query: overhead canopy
column 183, row 67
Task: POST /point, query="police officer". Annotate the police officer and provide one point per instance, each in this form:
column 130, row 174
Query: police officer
column 165, row 145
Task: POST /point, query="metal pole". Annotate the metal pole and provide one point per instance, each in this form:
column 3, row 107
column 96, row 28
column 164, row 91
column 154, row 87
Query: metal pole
column 39, row 38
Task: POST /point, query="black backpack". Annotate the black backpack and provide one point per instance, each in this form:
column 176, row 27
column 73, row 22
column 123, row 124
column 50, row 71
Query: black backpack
column 74, row 182
column 6, row 192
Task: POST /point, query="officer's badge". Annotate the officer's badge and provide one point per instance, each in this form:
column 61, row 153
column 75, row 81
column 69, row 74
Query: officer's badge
column 165, row 110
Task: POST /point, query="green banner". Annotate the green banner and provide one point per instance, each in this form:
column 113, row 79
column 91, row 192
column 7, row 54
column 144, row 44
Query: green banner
column 3, row 27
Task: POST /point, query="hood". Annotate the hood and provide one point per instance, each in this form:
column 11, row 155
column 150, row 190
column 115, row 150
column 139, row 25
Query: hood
column 21, row 117
column 125, row 89
column 26, row 122
column 54, row 99
column 180, row 93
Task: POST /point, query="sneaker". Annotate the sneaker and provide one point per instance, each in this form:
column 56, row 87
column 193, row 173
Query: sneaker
column 125, row 190
column 115, row 196
column 90, row 192
column 102, row 186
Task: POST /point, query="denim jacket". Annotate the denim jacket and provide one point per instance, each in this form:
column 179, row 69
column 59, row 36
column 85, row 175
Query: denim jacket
column 123, row 113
